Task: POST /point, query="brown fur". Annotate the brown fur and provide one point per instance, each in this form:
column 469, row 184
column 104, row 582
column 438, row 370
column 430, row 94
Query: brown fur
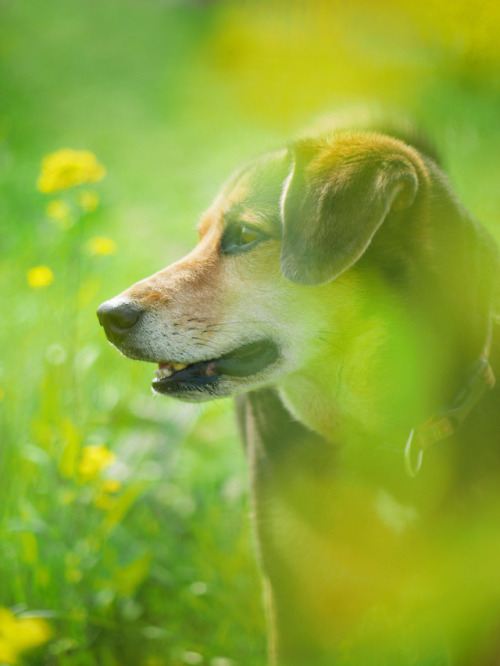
column 377, row 288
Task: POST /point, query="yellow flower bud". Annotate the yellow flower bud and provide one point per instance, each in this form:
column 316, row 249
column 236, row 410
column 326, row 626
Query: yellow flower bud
column 40, row 276
column 101, row 245
column 94, row 459
column 111, row 485
column 60, row 212
column 88, row 201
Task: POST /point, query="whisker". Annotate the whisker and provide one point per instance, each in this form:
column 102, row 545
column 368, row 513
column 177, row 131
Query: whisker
column 332, row 344
column 236, row 322
column 346, row 284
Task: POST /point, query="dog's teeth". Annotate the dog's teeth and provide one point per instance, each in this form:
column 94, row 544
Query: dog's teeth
column 160, row 373
column 168, row 369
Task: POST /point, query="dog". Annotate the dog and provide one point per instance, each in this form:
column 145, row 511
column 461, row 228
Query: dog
column 345, row 296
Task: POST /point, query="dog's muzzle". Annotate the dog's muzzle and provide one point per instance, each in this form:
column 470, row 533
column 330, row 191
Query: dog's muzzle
column 118, row 317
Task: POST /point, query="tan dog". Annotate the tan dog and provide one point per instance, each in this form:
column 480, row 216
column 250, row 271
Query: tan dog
column 342, row 288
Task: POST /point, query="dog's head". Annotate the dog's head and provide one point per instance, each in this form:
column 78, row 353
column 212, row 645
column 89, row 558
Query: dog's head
column 274, row 276
column 249, row 304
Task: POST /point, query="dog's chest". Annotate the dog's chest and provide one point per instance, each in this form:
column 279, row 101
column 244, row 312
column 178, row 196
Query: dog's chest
column 333, row 554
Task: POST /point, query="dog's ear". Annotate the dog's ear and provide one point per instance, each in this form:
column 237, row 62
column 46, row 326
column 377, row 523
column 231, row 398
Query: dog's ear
column 338, row 194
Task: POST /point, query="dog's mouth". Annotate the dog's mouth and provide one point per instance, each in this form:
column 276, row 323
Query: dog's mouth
column 244, row 361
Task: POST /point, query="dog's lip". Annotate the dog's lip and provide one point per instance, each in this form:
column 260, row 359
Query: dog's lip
column 243, row 361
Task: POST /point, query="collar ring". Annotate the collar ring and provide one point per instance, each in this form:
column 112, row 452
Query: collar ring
column 412, row 463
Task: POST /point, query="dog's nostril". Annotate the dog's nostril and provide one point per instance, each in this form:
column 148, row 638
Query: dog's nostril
column 118, row 316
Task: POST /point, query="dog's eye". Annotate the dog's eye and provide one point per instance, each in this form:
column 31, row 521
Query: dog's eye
column 240, row 238
column 248, row 235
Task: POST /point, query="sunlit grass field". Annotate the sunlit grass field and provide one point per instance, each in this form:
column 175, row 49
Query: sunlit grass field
column 125, row 518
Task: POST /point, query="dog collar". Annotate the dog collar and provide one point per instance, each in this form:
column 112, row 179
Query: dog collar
column 446, row 423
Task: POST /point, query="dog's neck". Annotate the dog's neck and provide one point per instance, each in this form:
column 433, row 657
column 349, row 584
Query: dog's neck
column 327, row 394
column 387, row 372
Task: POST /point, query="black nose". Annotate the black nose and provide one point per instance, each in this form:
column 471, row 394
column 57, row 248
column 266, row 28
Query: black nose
column 118, row 317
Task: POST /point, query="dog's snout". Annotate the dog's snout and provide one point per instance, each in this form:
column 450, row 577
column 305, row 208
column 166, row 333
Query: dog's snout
column 118, row 317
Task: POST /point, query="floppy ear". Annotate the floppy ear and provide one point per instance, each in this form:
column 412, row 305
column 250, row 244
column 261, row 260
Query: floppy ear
column 338, row 194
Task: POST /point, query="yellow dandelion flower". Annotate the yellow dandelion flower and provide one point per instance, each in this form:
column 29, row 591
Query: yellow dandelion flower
column 101, row 245
column 7, row 653
column 20, row 634
column 111, row 485
column 88, row 200
column 59, row 212
column 66, row 168
column 40, row 276
column 94, row 459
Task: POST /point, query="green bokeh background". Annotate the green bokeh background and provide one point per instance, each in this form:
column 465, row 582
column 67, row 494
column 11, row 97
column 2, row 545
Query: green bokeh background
column 171, row 97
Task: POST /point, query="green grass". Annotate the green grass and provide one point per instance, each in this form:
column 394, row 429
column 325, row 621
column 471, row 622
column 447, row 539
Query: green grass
column 171, row 97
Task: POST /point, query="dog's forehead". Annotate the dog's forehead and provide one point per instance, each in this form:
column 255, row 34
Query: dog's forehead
column 253, row 194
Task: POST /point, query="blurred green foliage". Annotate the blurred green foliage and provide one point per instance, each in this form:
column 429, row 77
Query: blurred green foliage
column 171, row 96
